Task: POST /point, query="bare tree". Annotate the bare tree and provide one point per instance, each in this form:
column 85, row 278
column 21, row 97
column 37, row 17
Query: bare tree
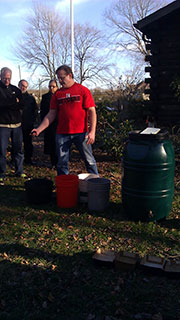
column 125, row 87
column 91, row 56
column 121, row 17
column 45, row 44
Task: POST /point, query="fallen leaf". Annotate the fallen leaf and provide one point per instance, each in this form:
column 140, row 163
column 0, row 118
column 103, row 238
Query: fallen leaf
column 50, row 297
column 157, row 316
column 53, row 267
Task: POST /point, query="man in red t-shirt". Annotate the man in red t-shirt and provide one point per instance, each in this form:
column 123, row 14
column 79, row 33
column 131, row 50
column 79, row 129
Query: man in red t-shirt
column 74, row 105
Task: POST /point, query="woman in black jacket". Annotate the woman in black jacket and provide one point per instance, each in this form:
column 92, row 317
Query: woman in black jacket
column 50, row 132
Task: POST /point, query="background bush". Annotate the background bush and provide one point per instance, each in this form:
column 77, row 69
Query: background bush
column 112, row 132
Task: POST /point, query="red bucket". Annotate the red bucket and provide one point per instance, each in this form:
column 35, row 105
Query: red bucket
column 67, row 190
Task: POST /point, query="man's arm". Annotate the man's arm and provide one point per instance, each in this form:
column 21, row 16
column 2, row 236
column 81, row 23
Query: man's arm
column 49, row 118
column 93, row 121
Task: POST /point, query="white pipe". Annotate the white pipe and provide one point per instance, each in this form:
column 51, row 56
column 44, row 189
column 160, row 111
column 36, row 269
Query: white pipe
column 19, row 72
column 72, row 34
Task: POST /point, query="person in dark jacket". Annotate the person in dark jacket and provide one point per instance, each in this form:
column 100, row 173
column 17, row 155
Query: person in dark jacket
column 28, row 119
column 11, row 105
column 50, row 132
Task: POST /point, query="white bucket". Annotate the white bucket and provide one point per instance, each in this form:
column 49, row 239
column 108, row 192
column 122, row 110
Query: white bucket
column 83, row 185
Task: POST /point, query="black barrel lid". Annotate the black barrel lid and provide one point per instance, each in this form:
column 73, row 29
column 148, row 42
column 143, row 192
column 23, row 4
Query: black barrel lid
column 163, row 134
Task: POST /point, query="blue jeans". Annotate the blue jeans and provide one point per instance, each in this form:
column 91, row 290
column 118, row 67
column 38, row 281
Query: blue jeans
column 17, row 151
column 63, row 144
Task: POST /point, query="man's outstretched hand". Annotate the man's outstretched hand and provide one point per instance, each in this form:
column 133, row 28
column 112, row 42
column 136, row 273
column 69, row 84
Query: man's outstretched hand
column 34, row 132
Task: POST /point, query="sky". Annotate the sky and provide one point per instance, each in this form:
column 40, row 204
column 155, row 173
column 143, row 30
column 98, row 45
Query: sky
column 13, row 15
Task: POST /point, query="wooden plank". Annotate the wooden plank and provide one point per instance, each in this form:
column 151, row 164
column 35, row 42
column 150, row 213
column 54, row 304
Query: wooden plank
column 154, row 61
column 165, row 99
column 148, row 80
column 148, row 69
column 165, row 68
column 169, row 109
column 169, row 56
column 166, row 61
column 153, row 48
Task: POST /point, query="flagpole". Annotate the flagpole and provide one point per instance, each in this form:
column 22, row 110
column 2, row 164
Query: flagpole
column 72, row 34
column 19, row 72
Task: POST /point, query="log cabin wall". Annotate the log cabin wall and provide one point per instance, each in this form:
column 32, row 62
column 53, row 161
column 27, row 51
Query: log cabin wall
column 162, row 38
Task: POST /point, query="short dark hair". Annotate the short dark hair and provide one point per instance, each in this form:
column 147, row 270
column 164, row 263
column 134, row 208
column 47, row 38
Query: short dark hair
column 22, row 81
column 53, row 80
column 66, row 68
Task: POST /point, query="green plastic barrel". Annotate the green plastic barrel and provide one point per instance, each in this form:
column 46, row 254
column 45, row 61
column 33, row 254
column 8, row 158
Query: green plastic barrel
column 148, row 176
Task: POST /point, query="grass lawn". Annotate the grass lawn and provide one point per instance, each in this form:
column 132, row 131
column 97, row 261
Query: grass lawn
column 46, row 265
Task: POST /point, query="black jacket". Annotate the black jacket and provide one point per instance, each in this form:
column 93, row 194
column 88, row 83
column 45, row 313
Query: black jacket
column 45, row 104
column 29, row 111
column 49, row 132
column 10, row 109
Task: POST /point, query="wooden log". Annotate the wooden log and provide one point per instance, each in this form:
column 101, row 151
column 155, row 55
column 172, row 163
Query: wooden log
column 148, row 69
column 152, row 47
column 154, row 61
column 151, row 91
column 148, row 80
column 169, row 107
column 166, row 68
column 165, row 97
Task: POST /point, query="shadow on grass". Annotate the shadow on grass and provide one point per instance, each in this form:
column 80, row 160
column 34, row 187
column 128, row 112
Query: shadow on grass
column 113, row 211
column 170, row 223
column 12, row 195
column 68, row 287
column 37, row 292
column 15, row 195
column 45, row 285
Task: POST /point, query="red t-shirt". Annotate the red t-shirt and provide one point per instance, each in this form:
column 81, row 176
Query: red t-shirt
column 72, row 105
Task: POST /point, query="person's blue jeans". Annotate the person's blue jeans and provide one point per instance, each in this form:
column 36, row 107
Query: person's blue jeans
column 17, row 151
column 63, row 144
